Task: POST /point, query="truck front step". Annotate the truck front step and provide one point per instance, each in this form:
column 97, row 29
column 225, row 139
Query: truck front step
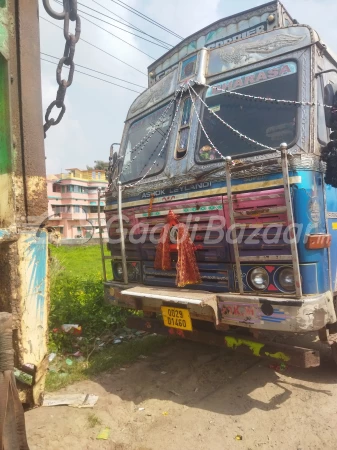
column 290, row 355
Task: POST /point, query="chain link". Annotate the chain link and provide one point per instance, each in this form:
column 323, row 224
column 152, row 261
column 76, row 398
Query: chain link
column 200, row 123
column 236, row 132
column 142, row 144
column 69, row 14
column 163, row 147
column 261, row 99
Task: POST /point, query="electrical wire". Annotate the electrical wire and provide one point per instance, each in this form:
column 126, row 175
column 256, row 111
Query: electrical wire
column 119, row 28
column 93, row 70
column 97, row 78
column 126, row 31
column 98, row 48
column 128, row 24
column 147, row 18
column 98, row 26
column 120, row 17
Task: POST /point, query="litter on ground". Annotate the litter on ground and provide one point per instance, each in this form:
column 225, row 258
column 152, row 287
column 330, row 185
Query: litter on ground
column 74, row 400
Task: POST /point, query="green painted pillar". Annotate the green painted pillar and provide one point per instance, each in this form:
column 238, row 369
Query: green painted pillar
column 6, row 215
column 5, row 153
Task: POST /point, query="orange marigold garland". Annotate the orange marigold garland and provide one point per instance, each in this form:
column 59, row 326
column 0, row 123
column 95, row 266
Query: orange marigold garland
column 149, row 211
column 187, row 268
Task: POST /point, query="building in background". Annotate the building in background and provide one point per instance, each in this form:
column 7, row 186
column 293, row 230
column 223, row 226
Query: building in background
column 73, row 203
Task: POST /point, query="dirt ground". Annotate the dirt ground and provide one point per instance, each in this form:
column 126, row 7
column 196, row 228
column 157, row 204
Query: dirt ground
column 196, row 397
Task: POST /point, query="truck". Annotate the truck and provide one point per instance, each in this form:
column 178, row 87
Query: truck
column 221, row 208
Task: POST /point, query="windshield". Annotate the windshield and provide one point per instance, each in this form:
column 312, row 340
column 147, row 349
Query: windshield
column 150, row 133
column 267, row 123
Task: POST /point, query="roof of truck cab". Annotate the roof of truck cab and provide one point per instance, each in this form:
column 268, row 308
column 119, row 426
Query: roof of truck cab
column 233, row 16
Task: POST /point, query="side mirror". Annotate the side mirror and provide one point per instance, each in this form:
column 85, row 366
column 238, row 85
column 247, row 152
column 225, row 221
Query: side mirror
column 330, row 99
column 113, row 164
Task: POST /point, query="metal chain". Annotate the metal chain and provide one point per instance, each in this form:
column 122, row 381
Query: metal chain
column 261, row 99
column 241, row 135
column 164, row 145
column 200, row 122
column 142, row 144
column 144, row 141
column 69, row 14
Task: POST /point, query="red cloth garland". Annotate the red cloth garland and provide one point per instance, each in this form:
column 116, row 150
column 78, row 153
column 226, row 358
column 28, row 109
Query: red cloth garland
column 163, row 257
column 187, row 267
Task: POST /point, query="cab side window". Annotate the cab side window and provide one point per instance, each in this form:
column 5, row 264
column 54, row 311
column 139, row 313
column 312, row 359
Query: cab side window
column 184, row 130
column 322, row 132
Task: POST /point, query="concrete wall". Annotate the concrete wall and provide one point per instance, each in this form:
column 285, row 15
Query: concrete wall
column 79, row 242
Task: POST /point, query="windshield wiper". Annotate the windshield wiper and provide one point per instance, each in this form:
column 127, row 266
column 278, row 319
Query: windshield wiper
column 240, row 164
column 203, row 174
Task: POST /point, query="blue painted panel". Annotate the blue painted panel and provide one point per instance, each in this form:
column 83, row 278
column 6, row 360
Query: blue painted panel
column 331, row 200
column 4, row 233
column 215, row 277
column 201, row 186
column 309, row 273
column 309, row 214
column 312, row 282
column 36, row 255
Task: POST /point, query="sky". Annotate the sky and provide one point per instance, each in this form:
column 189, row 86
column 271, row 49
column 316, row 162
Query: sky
column 96, row 110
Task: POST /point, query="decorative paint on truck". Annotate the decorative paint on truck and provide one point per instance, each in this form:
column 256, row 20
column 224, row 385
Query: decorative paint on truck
column 233, row 152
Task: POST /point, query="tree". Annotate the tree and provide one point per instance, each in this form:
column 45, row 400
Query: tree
column 99, row 165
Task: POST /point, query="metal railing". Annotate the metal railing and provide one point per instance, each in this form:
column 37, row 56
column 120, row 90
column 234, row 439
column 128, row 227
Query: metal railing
column 293, row 257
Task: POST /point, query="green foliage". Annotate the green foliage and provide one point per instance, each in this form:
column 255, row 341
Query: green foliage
column 77, row 297
column 83, row 261
column 93, row 420
column 99, row 165
column 80, row 301
column 109, row 358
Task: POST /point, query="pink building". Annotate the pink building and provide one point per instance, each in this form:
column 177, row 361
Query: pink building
column 73, row 202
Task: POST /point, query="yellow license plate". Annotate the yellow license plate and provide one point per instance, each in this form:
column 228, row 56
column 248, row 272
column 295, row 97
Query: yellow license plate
column 176, row 318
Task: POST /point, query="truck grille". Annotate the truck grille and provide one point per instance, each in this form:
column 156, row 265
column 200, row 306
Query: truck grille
column 261, row 222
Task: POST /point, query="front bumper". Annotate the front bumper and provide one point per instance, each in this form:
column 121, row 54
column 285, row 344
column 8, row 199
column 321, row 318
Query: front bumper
column 310, row 313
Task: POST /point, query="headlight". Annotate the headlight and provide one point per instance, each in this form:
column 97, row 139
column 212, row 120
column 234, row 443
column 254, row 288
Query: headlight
column 133, row 271
column 118, row 271
column 258, row 278
column 286, row 279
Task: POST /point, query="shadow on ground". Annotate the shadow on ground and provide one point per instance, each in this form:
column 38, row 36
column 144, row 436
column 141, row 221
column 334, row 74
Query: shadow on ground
column 214, row 379
column 196, row 397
